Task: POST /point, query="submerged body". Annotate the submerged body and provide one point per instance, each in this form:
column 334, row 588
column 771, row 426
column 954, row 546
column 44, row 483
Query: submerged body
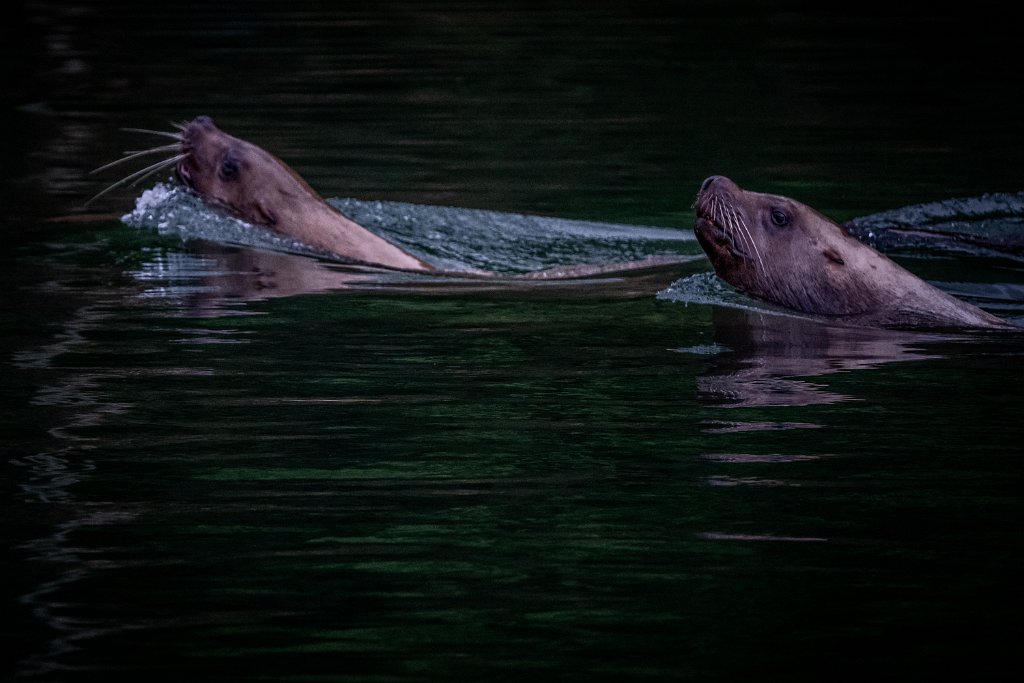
column 783, row 252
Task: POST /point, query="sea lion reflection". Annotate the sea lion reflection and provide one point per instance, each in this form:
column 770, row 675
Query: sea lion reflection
column 772, row 360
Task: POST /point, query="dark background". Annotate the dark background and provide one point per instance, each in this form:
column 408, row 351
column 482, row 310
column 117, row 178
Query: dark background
column 464, row 488
column 612, row 110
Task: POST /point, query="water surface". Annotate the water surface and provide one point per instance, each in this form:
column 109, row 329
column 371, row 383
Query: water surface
column 219, row 466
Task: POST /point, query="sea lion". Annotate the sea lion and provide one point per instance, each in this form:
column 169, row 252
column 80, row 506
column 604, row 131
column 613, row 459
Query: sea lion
column 254, row 185
column 783, row 252
column 257, row 187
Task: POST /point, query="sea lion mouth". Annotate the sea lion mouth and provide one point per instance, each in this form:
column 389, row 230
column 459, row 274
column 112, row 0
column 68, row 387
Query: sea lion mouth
column 722, row 228
column 189, row 134
column 705, row 226
column 712, row 228
column 181, row 156
column 184, row 175
column 192, row 138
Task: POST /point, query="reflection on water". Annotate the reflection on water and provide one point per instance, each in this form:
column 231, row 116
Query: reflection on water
column 772, row 360
column 223, row 277
column 461, row 485
column 725, row 426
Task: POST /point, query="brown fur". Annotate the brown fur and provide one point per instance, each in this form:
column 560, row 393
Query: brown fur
column 261, row 189
column 786, row 253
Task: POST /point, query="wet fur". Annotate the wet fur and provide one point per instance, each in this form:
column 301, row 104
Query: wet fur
column 254, row 185
column 786, row 253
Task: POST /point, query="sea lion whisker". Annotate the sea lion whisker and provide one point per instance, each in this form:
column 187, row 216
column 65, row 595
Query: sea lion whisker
column 737, row 229
column 134, row 155
column 164, row 133
column 723, row 216
column 720, row 215
column 158, row 167
column 702, row 202
column 714, row 208
column 757, row 252
column 139, row 175
column 744, row 230
column 161, row 148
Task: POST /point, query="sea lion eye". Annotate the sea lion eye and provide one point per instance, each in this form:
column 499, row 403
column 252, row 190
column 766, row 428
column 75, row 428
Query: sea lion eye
column 780, row 217
column 229, row 168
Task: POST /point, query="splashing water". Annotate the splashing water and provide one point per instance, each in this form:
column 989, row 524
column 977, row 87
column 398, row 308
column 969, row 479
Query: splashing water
column 170, row 209
column 448, row 237
column 708, row 288
column 989, row 226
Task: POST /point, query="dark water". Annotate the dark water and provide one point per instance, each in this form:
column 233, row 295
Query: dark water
column 236, row 462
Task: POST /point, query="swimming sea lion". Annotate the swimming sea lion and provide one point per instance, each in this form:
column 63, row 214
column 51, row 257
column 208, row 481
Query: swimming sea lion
column 259, row 188
column 779, row 250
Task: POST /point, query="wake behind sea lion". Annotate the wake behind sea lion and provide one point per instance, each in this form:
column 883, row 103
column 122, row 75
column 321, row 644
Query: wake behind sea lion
column 783, row 252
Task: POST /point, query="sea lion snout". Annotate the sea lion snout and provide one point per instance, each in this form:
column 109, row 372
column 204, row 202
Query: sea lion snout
column 718, row 183
column 200, row 125
column 719, row 228
column 710, row 181
column 715, row 194
column 202, row 121
column 196, row 138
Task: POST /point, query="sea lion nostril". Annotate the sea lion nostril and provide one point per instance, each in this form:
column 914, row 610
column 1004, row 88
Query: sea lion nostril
column 708, row 182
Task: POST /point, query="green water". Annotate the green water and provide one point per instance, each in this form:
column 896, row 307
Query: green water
column 577, row 484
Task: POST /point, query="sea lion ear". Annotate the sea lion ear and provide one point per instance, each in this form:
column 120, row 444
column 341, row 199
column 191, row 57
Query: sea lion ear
column 832, row 255
column 266, row 212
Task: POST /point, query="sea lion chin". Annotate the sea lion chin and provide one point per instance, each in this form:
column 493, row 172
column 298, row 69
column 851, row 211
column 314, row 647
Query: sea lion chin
column 781, row 251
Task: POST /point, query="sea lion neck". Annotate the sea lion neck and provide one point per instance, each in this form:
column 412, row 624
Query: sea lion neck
column 256, row 186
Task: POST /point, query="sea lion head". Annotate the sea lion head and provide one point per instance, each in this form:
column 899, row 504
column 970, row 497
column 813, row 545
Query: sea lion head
column 237, row 175
column 784, row 252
